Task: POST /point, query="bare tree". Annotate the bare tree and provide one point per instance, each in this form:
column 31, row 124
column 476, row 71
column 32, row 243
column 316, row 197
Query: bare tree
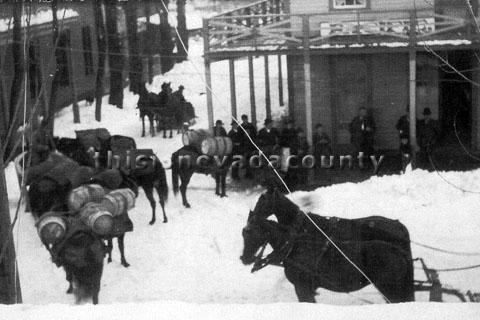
column 102, row 56
column 135, row 61
column 10, row 285
column 115, row 58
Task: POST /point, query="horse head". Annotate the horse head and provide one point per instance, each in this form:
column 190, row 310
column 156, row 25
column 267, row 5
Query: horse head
column 254, row 237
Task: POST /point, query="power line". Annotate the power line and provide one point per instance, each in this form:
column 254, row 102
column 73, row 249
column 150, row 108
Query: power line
column 283, row 181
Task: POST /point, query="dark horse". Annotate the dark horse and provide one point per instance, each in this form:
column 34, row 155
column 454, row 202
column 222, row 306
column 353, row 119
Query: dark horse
column 148, row 180
column 49, row 193
column 81, row 254
column 148, row 105
column 184, row 165
column 310, row 261
column 273, row 202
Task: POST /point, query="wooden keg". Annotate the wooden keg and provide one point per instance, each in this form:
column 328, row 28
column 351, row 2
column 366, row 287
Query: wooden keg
column 51, row 228
column 194, row 137
column 97, row 218
column 218, row 146
column 84, row 194
column 119, row 201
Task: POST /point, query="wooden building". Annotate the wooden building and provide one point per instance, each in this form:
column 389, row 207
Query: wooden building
column 346, row 54
column 76, row 55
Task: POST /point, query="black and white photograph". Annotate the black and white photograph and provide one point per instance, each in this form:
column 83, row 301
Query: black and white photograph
column 239, row 159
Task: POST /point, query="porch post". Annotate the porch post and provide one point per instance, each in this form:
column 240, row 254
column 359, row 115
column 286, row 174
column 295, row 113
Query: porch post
column 308, row 79
column 253, row 107
column 280, row 81
column 233, row 95
column 475, row 105
column 208, row 75
column 412, row 76
column 268, row 106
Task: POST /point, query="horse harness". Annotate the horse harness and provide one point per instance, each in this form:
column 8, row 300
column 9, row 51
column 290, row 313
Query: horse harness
column 278, row 257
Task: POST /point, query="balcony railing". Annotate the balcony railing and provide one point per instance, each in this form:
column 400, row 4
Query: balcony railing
column 264, row 26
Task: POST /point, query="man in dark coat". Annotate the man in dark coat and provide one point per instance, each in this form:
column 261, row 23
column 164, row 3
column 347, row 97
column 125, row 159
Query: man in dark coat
column 219, row 130
column 247, row 147
column 427, row 134
column 288, row 137
column 403, row 127
column 362, row 131
column 178, row 95
column 237, row 137
column 268, row 138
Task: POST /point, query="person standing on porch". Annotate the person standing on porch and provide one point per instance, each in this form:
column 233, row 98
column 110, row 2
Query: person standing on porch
column 427, row 131
column 362, row 131
column 403, row 128
column 236, row 136
column 247, row 147
column 268, row 138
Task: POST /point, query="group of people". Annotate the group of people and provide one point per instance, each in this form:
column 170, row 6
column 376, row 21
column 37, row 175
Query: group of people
column 269, row 139
column 362, row 131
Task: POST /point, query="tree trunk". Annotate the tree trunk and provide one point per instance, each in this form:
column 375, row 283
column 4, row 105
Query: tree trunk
column 10, row 292
column 115, row 59
column 182, row 46
column 102, row 55
column 135, row 61
column 18, row 76
column 55, row 83
column 148, row 42
column 166, row 41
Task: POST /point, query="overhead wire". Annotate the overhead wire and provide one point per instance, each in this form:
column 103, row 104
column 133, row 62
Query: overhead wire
column 278, row 175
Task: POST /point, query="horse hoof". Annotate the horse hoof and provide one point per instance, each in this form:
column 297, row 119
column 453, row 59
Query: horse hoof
column 152, row 222
column 109, row 260
column 125, row 264
column 223, row 196
column 165, row 220
column 69, row 291
column 187, row 205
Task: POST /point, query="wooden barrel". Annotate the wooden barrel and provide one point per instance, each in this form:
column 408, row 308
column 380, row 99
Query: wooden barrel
column 119, row 201
column 194, row 137
column 51, row 228
column 218, row 146
column 84, row 194
column 97, row 218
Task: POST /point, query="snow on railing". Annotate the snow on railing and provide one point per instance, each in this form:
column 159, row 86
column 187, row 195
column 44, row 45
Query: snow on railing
column 256, row 26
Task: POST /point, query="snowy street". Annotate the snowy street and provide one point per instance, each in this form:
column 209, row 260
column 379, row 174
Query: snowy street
column 189, row 268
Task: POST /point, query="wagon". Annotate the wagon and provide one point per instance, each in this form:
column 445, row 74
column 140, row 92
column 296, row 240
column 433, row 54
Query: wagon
column 433, row 285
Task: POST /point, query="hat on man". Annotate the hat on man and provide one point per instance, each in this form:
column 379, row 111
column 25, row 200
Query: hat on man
column 427, row 111
column 268, row 121
column 219, row 122
column 181, row 87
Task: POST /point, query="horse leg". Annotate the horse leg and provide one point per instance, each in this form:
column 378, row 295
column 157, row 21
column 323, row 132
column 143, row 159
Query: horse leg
column 223, row 182
column 121, row 246
column 149, row 193
column 96, row 287
column 152, row 128
column 217, row 183
column 69, row 279
column 185, row 179
column 143, row 126
column 305, row 293
column 109, row 250
column 171, row 136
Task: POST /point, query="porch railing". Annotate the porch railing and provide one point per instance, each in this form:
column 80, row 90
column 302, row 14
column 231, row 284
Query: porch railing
column 264, row 25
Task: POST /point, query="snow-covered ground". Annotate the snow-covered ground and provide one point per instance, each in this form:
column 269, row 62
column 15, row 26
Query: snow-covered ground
column 194, row 259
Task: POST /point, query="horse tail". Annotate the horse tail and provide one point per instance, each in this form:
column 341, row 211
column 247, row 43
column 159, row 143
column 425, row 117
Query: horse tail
column 175, row 172
column 161, row 181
